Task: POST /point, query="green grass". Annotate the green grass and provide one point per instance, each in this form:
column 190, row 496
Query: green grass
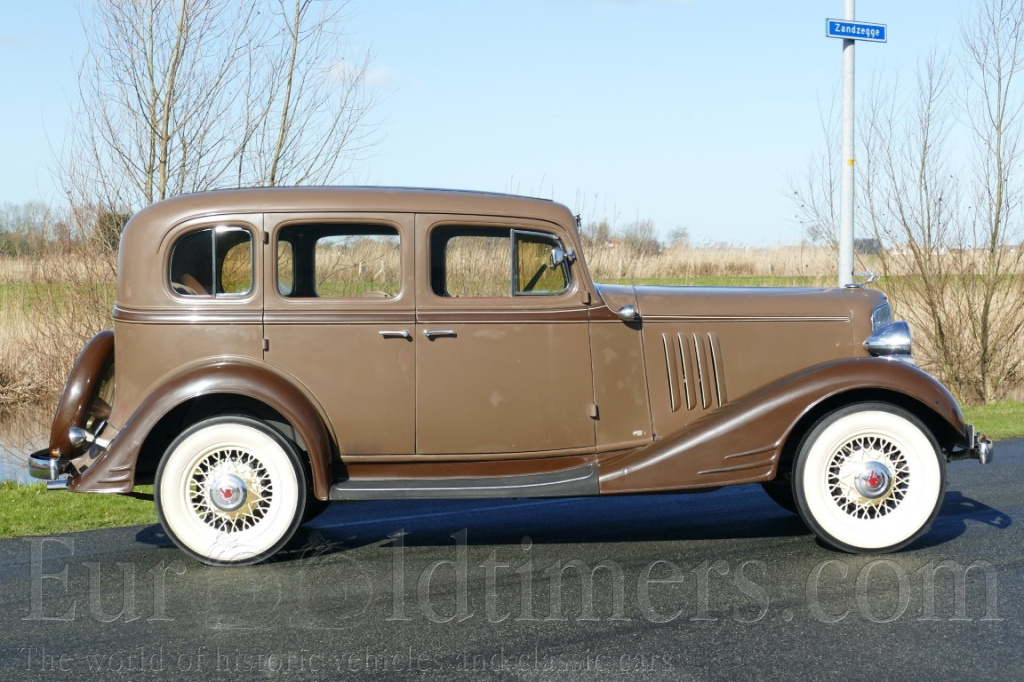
column 998, row 421
column 33, row 510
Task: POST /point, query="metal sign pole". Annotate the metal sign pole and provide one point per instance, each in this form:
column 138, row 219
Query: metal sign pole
column 846, row 175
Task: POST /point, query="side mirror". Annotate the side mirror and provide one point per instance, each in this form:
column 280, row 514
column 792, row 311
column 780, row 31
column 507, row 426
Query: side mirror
column 628, row 313
column 559, row 256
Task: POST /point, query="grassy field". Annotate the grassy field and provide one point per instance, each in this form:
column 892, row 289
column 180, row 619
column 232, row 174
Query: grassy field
column 32, row 510
column 998, row 421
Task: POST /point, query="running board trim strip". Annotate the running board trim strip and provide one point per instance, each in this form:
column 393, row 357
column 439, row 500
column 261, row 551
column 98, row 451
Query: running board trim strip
column 578, row 481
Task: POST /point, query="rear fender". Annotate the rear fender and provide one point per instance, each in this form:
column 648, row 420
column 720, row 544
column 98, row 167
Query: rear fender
column 742, row 441
column 114, row 470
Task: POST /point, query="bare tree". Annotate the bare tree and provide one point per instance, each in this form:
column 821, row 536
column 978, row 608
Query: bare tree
column 992, row 105
column 951, row 216
column 180, row 96
column 912, row 203
column 187, row 95
column 938, row 177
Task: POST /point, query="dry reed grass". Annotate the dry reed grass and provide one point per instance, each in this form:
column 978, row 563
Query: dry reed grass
column 616, row 261
column 50, row 306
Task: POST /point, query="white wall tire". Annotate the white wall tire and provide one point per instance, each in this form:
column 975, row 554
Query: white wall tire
column 869, row 478
column 230, row 490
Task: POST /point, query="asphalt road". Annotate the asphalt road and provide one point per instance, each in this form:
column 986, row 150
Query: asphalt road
column 718, row 586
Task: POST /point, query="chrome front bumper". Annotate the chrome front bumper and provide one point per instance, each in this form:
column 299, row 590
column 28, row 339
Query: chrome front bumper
column 976, row 446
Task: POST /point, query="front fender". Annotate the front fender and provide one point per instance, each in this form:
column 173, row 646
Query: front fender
column 742, row 441
column 114, row 470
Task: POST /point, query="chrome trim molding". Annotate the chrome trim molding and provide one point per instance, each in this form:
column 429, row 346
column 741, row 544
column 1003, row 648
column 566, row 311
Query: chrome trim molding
column 742, row 318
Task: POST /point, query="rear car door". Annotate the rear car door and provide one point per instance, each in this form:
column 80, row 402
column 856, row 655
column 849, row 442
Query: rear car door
column 339, row 318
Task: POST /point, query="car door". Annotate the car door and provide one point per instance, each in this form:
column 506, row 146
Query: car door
column 502, row 342
column 339, row 318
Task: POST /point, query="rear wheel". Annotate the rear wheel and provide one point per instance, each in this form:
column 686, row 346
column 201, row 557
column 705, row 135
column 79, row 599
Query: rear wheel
column 230, row 490
column 869, row 478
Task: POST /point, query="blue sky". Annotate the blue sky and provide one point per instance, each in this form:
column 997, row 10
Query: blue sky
column 688, row 112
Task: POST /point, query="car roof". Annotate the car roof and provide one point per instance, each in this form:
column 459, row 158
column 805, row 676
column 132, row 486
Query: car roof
column 324, row 199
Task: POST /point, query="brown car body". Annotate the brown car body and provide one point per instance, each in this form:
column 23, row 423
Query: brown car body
column 419, row 392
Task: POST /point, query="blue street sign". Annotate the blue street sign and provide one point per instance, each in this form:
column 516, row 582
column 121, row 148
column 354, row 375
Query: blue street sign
column 855, row 30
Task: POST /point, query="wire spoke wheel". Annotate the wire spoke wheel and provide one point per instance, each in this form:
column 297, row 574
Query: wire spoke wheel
column 230, row 490
column 869, row 478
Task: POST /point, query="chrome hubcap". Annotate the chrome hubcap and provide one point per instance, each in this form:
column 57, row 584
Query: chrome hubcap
column 868, row 476
column 873, row 480
column 228, row 492
column 230, row 489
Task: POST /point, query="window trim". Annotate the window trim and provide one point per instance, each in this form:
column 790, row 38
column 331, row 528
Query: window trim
column 547, row 236
column 386, row 228
column 213, row 296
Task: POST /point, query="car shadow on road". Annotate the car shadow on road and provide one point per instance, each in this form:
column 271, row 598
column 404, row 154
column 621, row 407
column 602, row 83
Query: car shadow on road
column 956, row 514
column 743, row 512
column 735, row 513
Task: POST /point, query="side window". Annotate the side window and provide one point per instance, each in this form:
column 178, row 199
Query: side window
column 214, row 261
column 495, row 262
column 536, row 272
column 338, row 261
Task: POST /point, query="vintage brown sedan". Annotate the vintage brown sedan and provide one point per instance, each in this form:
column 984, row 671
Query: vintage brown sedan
column 277, row 349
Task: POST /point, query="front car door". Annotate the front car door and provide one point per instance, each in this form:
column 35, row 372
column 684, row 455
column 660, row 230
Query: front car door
column 502, row 340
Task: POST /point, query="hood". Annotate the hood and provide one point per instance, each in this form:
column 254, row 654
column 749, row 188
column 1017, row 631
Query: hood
column 681, row 302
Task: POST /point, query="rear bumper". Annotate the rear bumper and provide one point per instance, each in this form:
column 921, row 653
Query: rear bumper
column 49, row 469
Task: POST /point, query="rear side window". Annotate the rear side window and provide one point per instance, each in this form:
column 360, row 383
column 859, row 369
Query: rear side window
column 338, row 261
column 214, row 262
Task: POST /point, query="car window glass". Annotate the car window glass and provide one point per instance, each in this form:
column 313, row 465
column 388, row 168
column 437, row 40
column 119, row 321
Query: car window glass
column 214, row 261
column 468, row 261
column 534, row 273
column 339, row 261
column 285, row 268
column 476, row 265
column 235, row 274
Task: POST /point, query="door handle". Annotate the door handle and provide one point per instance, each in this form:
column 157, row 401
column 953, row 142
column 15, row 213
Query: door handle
column 395, row 334
column 434, row 333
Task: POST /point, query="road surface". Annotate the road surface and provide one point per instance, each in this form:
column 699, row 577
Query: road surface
column 718, row 586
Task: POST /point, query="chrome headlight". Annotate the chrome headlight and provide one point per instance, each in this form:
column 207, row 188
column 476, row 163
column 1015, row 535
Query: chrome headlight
column 892, row 340
column 881, row 316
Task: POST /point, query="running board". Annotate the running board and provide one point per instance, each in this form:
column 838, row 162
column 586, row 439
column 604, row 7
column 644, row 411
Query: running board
column 574, row 482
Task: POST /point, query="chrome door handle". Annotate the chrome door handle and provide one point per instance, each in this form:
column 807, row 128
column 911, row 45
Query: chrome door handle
column 395, row 334
column 433, row 333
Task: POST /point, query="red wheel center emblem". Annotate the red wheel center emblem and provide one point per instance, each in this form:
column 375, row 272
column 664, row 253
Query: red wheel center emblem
column 228, row 493
column 873, row 480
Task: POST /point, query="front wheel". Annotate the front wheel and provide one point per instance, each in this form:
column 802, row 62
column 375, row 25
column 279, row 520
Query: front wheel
column 869, row 478
column 230, row 490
